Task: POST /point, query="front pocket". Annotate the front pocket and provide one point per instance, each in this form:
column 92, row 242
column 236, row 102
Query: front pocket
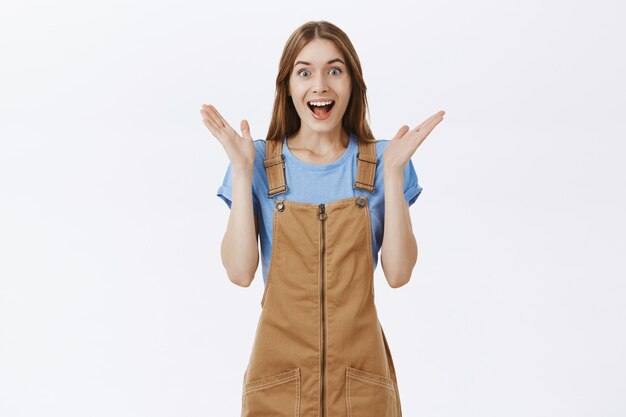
column 276, row 395
column 369, row 394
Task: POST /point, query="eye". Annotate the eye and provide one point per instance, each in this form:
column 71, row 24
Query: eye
column 339, row 71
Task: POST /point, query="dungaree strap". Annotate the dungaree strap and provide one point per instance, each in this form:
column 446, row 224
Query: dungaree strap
column 366, row 166
column 275, row 166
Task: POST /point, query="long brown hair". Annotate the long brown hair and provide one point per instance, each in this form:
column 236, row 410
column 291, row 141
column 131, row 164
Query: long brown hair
column 285, row 119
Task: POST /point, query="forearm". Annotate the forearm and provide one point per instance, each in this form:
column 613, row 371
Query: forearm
column 239, row 251
column 399, row 248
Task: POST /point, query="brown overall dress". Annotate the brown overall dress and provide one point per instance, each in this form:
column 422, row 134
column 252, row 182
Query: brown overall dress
column 319, row 348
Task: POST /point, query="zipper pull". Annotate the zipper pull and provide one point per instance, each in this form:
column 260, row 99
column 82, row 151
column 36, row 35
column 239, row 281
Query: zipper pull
column 322, row 212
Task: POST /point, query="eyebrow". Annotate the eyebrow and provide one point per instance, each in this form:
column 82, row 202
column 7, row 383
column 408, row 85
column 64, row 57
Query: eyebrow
column 329, row 62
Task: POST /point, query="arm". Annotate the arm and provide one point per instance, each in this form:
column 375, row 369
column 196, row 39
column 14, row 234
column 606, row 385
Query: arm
column 399, row 247
column 239, row 250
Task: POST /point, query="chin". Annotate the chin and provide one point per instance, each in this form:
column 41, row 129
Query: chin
column 323, row 127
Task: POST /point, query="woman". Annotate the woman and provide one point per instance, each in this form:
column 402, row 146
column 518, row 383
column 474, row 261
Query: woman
column 319, row 191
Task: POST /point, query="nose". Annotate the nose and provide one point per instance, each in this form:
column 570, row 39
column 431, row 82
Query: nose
column 320, row 85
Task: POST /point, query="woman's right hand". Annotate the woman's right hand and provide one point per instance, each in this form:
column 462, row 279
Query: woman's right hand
column 240, row 149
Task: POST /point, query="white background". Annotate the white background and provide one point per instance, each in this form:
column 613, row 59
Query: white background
column 113, row 299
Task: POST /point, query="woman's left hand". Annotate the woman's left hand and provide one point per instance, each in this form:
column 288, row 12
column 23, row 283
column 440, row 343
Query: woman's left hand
column 405, row 143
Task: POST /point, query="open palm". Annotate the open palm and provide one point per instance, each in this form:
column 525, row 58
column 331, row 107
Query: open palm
column 400, row 149
column 240, row 149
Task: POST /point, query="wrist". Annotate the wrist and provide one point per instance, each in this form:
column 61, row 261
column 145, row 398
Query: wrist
column 392, row 173
column 245, row 169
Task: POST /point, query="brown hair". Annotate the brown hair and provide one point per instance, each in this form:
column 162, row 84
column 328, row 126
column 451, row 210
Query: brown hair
column 285, row 119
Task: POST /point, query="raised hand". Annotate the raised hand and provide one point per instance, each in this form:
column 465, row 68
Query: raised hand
column 240, row 149
column 400, row 149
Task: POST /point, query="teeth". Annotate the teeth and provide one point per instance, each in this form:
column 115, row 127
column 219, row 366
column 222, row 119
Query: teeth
column 320, row 103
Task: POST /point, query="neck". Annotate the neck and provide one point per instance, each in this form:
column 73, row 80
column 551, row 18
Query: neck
column 320, row 142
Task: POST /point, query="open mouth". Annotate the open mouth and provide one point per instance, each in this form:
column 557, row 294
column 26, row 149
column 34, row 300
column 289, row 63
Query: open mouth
column 321, row 112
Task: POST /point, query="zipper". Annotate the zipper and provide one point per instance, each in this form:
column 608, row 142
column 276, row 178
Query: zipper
column 322, row 217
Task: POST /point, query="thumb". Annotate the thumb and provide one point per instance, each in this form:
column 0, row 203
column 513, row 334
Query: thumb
column 245, row 129
column 401, row 132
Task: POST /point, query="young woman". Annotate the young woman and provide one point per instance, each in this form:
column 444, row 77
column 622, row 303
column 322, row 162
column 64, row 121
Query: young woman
column 319, row 191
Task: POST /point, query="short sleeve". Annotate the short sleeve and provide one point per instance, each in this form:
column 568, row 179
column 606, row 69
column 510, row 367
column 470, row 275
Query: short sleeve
column 412, row 189
column 225, row 191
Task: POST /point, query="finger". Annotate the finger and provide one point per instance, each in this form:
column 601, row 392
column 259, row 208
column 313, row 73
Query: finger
column 401, row 132
column 210, row 123
column 212, row 117
column 207, row 118
column 435, row 118
column 425, row 131
column 419, row 134
column 216, row 116
column 221, row 119
column 213, row 128
column 245, row 129
column 427, row 121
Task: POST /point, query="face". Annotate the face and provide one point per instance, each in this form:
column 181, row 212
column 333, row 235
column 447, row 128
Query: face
column 320, row 74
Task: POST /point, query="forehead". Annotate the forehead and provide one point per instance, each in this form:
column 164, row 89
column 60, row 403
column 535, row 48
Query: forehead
column 319, row 52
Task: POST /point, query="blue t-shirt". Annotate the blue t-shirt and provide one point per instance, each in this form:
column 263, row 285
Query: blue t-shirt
column 311, row 183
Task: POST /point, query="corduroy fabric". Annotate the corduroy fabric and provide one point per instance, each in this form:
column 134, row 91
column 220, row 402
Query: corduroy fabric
column 319, row 348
